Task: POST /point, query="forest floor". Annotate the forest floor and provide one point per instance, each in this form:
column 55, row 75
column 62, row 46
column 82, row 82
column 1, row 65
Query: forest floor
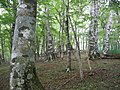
column 105, row 75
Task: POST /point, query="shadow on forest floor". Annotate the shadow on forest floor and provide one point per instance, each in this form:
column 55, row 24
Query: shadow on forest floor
column 105, row 75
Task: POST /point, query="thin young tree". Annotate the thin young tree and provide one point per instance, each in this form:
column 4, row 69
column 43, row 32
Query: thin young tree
column 78, row 50
column 23, row 73
column 63, row 29
column 68, row 67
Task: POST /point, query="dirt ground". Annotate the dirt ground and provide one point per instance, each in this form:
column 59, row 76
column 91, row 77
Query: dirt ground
column 105, row 75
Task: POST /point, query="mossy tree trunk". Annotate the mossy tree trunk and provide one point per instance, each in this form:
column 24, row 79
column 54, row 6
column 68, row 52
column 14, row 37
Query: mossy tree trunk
column 23, row 73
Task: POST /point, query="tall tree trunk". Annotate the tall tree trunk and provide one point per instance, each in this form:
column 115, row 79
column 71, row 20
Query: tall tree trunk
column 2, row 47
column 68, row 68
column 83, row 43
column 49, row 40
column 43, row 45
column 37, row 47
column 93, row 31
column 86, row 43
column 23, row 73
column 78, row 50
column 106, row 35
column 2, row 56
column 14, row 7
column 62, row 42
column 63, row 29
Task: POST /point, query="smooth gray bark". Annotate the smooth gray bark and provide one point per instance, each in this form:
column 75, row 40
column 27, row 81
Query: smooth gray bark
column 106, row 35
column 49, row 40
column 93, row 30
column 14, row 7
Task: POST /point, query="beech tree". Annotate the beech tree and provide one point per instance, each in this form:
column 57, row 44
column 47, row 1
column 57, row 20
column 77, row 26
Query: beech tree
column 49, row 40
column 23, row 73
column 60, row 24
column 107, row 32
column 93, row 30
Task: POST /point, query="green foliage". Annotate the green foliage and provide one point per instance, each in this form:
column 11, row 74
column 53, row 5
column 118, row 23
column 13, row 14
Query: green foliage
column 78, row 11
